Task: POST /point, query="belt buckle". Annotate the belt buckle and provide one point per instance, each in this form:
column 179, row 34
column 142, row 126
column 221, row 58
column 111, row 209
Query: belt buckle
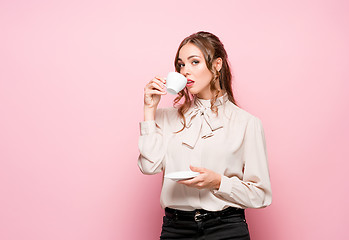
column 197, row 214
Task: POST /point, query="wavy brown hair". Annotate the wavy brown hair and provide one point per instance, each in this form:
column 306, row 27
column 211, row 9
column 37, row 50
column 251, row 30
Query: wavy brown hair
column 212, row 48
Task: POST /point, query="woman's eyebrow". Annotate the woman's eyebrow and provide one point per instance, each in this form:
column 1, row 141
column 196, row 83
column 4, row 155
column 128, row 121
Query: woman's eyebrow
column 190, row 57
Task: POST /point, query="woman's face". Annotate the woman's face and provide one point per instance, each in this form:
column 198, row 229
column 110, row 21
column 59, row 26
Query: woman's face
column 192, row 65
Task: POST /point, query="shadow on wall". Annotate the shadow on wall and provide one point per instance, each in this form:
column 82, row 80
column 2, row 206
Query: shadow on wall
column 150, row 211
column 261, row 223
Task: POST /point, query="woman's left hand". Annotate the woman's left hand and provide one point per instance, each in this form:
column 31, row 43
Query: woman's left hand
column 207, row 179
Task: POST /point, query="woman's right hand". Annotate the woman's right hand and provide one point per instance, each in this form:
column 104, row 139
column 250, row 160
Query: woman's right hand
column 153, row 91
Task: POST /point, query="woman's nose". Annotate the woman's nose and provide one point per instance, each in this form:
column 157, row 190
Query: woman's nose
column 186, row 71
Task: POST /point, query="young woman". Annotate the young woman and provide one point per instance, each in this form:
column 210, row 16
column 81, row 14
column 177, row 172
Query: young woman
column 205, row 132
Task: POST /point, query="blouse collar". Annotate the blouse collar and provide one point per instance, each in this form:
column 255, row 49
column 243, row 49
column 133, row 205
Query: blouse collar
column 207, row 102
column 201, row 121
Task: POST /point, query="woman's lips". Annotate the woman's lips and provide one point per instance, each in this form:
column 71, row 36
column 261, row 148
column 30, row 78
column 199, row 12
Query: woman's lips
column 190, row 82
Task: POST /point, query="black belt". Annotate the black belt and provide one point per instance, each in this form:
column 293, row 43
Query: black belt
column 201, row 214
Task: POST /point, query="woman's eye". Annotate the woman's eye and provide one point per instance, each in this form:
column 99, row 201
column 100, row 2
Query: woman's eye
column 193, row 62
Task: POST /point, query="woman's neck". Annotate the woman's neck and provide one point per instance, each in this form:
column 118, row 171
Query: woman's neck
column 210, row 95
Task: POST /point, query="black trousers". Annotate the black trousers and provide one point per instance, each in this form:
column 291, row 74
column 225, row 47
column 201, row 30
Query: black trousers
column 231, row 226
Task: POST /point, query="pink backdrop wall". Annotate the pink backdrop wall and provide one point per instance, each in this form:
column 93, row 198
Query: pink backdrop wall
column 71, row 91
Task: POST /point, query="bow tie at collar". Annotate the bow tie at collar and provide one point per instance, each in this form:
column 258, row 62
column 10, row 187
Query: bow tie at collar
column 201, row 121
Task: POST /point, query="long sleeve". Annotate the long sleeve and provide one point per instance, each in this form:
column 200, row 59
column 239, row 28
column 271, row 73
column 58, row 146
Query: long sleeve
column 151, row 145
column 254, row 189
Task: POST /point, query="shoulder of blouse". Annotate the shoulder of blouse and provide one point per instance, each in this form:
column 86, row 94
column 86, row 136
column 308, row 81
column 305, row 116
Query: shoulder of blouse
column 166, row 112
column 163, row 116
column 241, row 114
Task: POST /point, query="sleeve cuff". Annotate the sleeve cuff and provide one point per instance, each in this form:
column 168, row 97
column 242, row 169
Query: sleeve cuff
column 226, row 185
column 147, row 127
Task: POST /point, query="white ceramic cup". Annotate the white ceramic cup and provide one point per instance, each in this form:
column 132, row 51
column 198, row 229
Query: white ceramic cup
column 175, row 82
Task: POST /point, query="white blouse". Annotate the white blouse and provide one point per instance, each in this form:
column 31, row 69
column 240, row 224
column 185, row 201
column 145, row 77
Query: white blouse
column 231, row 144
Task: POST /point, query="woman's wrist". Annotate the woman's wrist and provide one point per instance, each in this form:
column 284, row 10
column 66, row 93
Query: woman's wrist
column 218, row 182
column 149, row 113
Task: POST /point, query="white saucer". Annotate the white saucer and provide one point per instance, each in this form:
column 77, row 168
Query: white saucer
column 176, row 176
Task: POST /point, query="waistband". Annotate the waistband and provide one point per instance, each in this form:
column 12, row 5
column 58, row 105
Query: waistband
column 201, row 214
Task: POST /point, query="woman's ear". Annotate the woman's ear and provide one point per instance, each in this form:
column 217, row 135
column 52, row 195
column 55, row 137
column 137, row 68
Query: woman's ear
column 218, row 62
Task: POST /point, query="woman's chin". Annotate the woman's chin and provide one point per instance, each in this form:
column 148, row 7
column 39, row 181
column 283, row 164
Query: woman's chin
column 192, row 91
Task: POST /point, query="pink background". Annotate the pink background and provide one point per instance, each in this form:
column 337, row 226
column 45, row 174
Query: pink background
column 71, row 93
